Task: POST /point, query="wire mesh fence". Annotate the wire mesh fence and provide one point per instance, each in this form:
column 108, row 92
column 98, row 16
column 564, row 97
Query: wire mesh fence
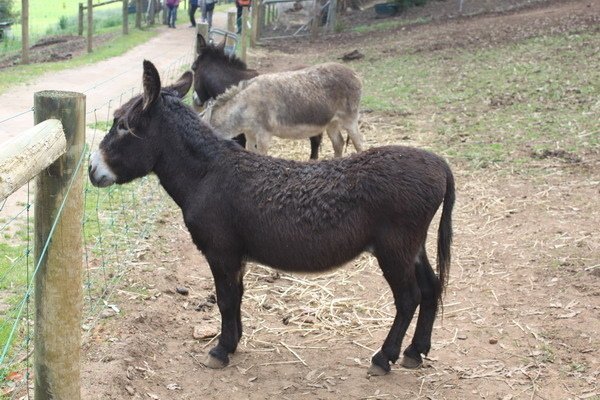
column 116, row 223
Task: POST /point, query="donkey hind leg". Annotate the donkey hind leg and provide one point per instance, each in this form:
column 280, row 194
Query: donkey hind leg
column 397, row 269
column 315, row 143
column 357, row 138
column 227, row 272
column 431, row 290
column 333, row 131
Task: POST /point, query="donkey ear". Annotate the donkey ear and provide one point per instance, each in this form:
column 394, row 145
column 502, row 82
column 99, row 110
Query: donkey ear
column 200, row 43
column 151, row 82
column 183, row 84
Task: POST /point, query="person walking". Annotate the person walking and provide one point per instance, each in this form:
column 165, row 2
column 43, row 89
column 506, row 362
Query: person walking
column 193, row 8
column 202, row 5
column 209, row 6
column 172, row 12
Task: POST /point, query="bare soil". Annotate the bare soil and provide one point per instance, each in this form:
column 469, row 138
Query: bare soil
column 55, row 48
column 522, row 310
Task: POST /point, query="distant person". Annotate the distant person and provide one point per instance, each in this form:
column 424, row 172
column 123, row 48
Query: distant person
column 209, row 6
column 202, row 4
column 172, row 12
column 193, row 8
column 240, row 4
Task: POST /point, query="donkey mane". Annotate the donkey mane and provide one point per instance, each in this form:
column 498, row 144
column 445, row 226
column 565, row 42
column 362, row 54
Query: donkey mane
column 230, row 93
column 216, row 53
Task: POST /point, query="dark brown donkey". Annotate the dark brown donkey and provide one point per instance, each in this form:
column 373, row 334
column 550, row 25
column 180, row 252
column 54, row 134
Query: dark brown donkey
column 215, row 72
column 293, row 216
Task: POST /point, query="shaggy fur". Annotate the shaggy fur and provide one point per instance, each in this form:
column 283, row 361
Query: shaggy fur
column 290, row 215
column 215, row 72
column 292, row 104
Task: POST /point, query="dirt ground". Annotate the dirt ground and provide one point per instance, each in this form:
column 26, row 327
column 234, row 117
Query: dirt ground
column 522, row 310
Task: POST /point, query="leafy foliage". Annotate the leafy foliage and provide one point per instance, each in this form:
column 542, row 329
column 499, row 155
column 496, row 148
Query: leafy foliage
column 7, row 12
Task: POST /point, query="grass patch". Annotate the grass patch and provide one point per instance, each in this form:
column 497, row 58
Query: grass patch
column 116, row 223
column 495, row 105
column 50, row 15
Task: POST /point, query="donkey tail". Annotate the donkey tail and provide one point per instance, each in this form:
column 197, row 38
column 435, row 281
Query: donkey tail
column 445, row 231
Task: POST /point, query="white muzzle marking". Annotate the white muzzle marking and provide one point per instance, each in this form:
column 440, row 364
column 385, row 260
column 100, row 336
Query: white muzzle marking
column 100, row 173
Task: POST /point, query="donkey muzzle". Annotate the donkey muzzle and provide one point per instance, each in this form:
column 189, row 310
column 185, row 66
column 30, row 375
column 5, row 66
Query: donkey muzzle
column 99, row 172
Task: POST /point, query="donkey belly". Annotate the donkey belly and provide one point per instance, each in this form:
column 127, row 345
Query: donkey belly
column 299, row 131
column 306, row 251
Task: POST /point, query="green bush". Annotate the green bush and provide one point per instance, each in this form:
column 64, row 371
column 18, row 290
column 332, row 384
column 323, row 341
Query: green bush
column 63, row 23
column 7, row 12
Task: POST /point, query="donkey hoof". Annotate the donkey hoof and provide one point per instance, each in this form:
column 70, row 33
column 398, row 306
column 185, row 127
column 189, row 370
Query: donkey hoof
column 213, row 362
column 376, row 370
column 411, row 363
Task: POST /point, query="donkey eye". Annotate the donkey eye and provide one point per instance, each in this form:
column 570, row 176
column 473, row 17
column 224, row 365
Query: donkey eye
column 121, row 128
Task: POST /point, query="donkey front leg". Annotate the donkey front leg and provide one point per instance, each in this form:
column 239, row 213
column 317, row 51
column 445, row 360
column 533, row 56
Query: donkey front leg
column 227, row 272
column 315, row 143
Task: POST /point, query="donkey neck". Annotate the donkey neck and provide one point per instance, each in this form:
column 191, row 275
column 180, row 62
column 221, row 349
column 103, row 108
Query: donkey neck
column 187, row 157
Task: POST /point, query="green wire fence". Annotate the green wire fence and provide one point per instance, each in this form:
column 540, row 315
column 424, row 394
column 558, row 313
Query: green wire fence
column 116, row 225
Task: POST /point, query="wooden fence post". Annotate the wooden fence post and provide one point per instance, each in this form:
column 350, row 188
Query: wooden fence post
column 90, row 27
column 151, row 12
column 244, row 35
column 58, row 282
column 125, row 18
column 332, row 16
column 231, row 27
column 80, row 20
column 314, row 28
column 25, row 32
column 202, row 29
column 254, row 18
column 138, row 14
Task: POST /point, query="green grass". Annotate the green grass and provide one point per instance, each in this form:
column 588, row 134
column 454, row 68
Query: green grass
column 45, row 14
column 116, row 220
column 495, row 105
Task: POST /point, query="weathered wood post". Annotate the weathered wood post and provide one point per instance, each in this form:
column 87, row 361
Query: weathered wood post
column 244, row 35
column 231, row 27
column 125, row 18
column 254, row 18
column 151, row 12
column 80, row 20
column 58, row 282
column 138, row 14
column 202, row 29
column 25, row 32
column 314, row 28
column 90, row 27
column 332, row 16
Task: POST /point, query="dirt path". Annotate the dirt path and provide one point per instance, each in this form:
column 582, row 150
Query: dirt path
column 101, row 81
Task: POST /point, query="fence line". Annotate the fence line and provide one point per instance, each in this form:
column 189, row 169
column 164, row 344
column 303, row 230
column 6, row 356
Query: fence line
column 115, row 224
